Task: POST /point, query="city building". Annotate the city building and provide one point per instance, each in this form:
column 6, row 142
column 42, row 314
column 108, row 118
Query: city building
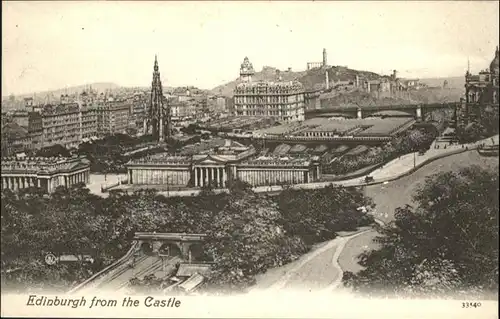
column 139, row 107
column 6, row 118
column 66, row 124
column 312, row 99
column 112, row 117
column 158, row 121
column 47, row 173
column 61, row 125
column 20, row 117
column 181, row 110
column 35, row 130
column 481, row 90
column 220, row 164
column 230, row 105
column 15, row 138
column 216, row 104
column 281, row 100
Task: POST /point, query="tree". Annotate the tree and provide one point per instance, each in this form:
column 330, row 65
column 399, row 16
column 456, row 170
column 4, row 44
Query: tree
column 33, row 225
column 247, row 233
column 489, row 119
column 446, row 244
column 54, row 151
column 245, row 239
column 190, row 129
column 318, row 214
column 472, row 132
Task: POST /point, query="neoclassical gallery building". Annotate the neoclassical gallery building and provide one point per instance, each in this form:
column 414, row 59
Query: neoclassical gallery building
column 216, row 166
column 46, row 173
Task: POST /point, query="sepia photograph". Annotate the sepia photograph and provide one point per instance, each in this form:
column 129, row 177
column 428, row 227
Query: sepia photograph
column 266, row 159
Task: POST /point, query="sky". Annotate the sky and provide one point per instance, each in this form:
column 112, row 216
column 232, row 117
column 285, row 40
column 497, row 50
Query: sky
column 53, row 45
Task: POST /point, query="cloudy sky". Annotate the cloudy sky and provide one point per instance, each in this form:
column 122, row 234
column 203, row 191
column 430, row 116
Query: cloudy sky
column 51, row 45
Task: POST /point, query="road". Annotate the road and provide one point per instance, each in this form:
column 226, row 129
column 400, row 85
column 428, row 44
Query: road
column 390, row 170
column 96, row 181
column 321, row 269
column 118, row 278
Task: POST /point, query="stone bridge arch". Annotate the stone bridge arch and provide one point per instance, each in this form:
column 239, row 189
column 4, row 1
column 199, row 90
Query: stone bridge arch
column 170, row 249
column 186, row 246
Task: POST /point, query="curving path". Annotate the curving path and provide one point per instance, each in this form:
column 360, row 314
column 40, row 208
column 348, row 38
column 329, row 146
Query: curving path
column 310, row 270
column 335, row 259
column 391, row 170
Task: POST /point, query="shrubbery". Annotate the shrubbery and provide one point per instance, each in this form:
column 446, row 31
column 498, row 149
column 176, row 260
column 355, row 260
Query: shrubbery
column 446, row 245
column 486, row 126
column 248, row 233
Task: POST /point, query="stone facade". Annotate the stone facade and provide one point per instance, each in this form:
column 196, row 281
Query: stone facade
column 61, row 125
column 112, row 117
column 217, row 170
column 45, row 173
column 480, row 90
column 281, row 100
column 67, row 124
column 278, row 171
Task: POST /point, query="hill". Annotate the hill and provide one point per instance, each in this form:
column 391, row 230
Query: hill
column 266, row 74
column 311, row 79
column 455, row 82
column 315, row 79
column 99, row 86
column 16, row 102
column 360, row 98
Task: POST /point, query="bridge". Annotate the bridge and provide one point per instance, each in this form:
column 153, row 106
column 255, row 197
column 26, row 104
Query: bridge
column 152, row 253
column 416, row 110
column 186, row 246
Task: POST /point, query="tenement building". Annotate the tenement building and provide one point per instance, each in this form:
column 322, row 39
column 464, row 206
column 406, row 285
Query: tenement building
column 46, row 173
column 61, row 125
column 481, row 90
column 281, row 100
column 67, row 124
column 217, row 166
column 112, row 117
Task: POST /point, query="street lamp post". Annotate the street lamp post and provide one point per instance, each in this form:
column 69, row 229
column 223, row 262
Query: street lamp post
column 414, row 159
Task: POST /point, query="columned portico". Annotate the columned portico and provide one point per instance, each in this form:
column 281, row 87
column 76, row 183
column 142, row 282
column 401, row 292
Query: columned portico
column 209, row 175
column 45, row 173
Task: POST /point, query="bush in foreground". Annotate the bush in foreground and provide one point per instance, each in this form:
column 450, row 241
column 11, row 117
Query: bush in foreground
column 447, row 244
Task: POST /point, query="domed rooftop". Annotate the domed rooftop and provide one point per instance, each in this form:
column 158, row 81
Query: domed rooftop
column 494, row 66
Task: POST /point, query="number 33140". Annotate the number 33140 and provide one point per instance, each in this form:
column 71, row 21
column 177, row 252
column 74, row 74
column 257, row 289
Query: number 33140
column 471, row 304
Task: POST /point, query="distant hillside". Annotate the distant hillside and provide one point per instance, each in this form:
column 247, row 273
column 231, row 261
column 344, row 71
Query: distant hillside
column 360, row 98
column 311, row 79
column 456, row 82
column 100, row 87
column 315, row 79
column 267, row 74
column 16, row 102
